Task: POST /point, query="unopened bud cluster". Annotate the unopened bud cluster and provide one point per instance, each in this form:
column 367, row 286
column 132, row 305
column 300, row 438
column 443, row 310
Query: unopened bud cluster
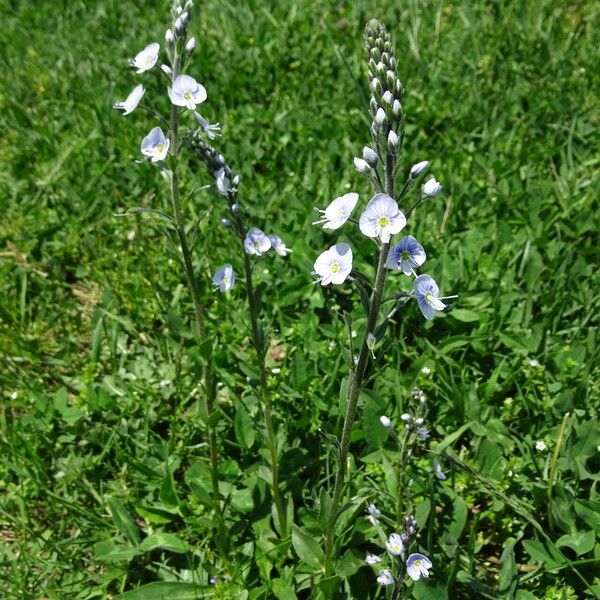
column 386, row 88
column 180, row 13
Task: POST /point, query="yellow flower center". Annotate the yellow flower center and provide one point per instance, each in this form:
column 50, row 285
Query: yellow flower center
column 405, row 255
column 335, row 267
column 187, row 95
column 160, row 147
column 383, row 222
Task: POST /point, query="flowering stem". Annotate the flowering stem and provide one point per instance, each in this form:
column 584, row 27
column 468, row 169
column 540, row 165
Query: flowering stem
column 200, row 326
column 357, row 378
column 258, row 342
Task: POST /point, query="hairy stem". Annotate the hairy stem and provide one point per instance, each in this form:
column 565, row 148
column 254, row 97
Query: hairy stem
column 357, row 379
column 209, row 384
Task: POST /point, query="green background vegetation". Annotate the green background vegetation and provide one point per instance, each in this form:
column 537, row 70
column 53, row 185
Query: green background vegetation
column 501, row 97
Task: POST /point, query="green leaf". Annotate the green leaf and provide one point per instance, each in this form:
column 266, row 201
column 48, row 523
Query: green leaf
column 168, row 590
column 429, row 590
column 464, row 315
column 581, row 542
column 283, row 590
column 108, row 552
column 589, row 512
column 168, row 493
column 547, row 554
column 122, row 519
column 166, row 541
column 307, row 549
column 507, row 575
column 244, row 427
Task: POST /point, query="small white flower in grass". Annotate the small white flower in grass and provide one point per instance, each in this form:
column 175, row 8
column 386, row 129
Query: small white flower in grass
column 211, row 130
column 426, row 370
column 155, row 145
column 338, row 211
column 418, row 566
column 385, row 421
column 362, row 166
column 395, row 544
column 334, row 265
column 534, row 362
column 224, row 278
column 279, row 246
column 427, row 294
column 437, row 469
column 372, row 559
column 407, row 255
column 431, row 187
column 146, row 59
column 385, row 577
column 164, row 383
column 372, row 513
column 256, row 242
column 540, row 446
column 187, row 92
column 131, row 102
column 382, row 218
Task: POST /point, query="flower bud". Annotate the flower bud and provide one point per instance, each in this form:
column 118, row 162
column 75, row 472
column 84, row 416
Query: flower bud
column 380, row 67
column 369, row 156
column 376, row 85
column 167, row 70
column 226, row 222
column 178, row 9
column 388, row 98
column 373, row 106
column 169, row 37
column 380, row 117
column 419, row 421
column 431, row 187
column 385, row 421
column 234, row 208
column 189, row 5
column 374, row 131
column 415, row 171
column 397, row 109
column 236, row 180
column 391, row 80
column 399, row 88
column 376, row 54
column 405, row 417
column 392, row 63
column 392, row 142
column 362, row 166
column 189, row 47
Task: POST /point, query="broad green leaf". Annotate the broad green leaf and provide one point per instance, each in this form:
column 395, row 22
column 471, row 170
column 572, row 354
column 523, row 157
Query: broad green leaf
column 168, row 590
column 166, row 541
column 507, row 575
column 168, row 493
column 589, row 512
column 581, row 542
column 109, row 552
column 307, row 548
column 122, row 519
column 464, row 315
column 547, row 554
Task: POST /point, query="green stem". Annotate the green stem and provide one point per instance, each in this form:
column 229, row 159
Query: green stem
column 200, row 326
column 554, row 466
column 356, row 382
column 258, row 342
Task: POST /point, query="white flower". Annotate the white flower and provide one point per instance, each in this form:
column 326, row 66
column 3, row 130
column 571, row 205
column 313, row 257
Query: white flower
column 164, row 383
column 382, row 218
column 224, row 278
column 186, row 91
column 437, row 469
column 146, row 59
column 334, row 265
column 362, row 166
column 130, row 103
column 372, row 559
column 385, row 421
column 279, row 246
column 540, row 446
column 373, row 513
column 431, row 187
column 338, row 211
column 418, row 168
column 426, row 370
column 405, row 417
column 418, row 566
column 256, row 242
column 155, row 145
column 385, row 577
column 534, row 362
column 395, row 545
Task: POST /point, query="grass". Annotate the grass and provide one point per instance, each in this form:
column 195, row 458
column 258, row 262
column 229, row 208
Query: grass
column 501, row 97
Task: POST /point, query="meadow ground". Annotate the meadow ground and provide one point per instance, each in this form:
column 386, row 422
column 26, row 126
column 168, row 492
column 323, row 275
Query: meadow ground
column 97, row 365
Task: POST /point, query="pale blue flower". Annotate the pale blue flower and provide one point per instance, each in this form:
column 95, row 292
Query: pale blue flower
column 427, row 294
column 187, row 92
column 131, row 102
column 211, row 130
column 385, row 577
column 372, row 559
column 417, row 566
column 372, row 513
column 279, row 246
column 155, row 145
column 334, row 265
column 395, row 544
column 256, row 242
column 423, row 433
column 224, row 278
column 338, row 211
column 146, row 59
column 382, row 218
column 406, row 256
